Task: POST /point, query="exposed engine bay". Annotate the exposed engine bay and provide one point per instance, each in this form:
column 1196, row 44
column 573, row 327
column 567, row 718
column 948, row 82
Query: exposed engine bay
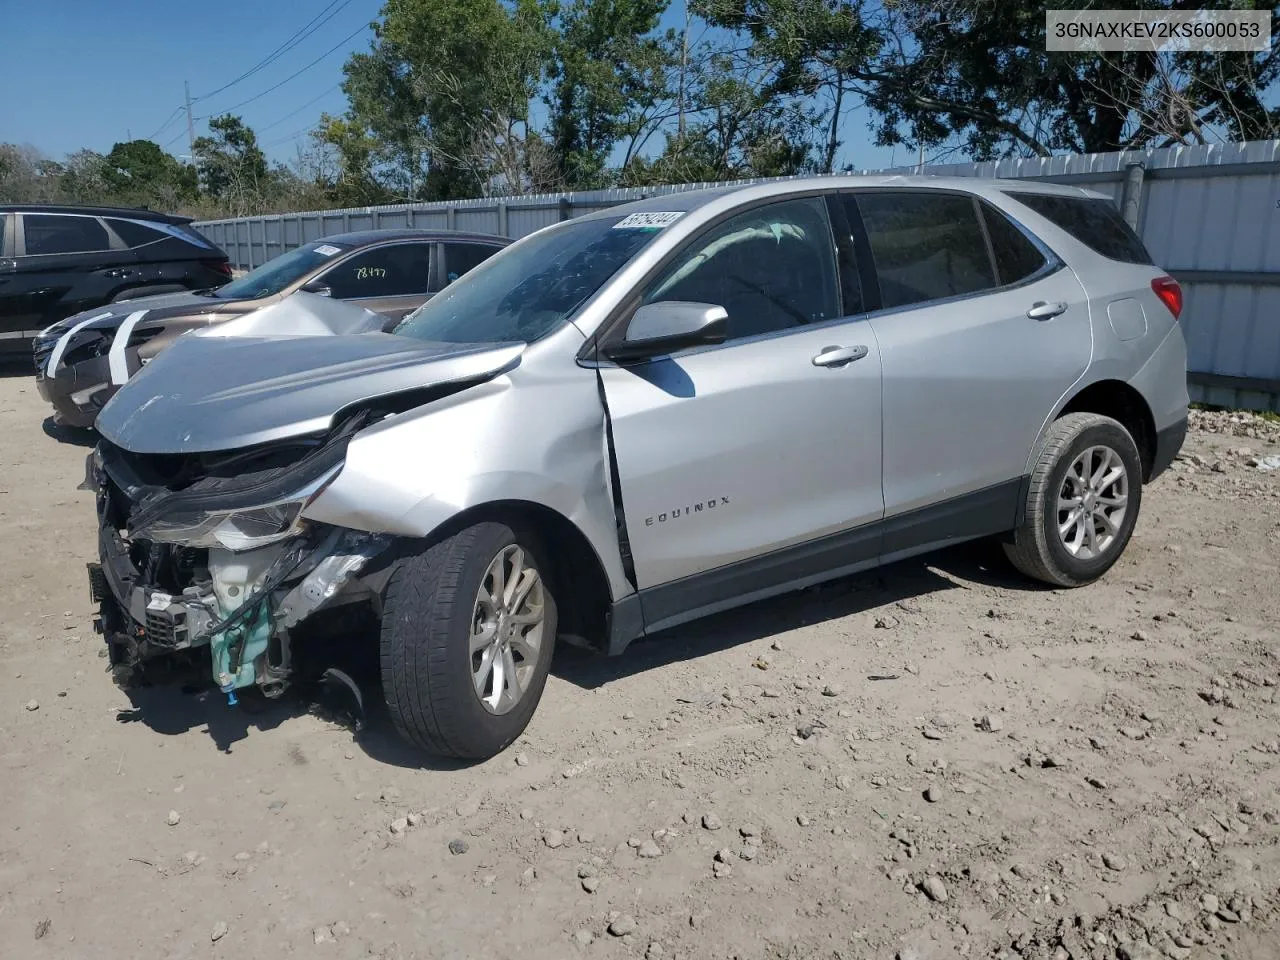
column 209, row 550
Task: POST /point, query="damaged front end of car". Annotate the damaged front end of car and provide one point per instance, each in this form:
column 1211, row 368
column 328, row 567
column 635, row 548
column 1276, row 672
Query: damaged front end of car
column 206, row 563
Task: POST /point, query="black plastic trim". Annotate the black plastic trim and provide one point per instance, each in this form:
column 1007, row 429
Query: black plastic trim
column 729, row 585
column 987, row 512
column 1168, row 442
column 979, row 514
column 615, row 484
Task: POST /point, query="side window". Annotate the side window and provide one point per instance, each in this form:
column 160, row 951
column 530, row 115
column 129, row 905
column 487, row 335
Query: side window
column 48, row 233
column 398, row 270
column 461, row 257
column 1016, row 257
column 772, row 268
column 926, row 245
column 6, row 244
column 1094, row 221
column 133, row 233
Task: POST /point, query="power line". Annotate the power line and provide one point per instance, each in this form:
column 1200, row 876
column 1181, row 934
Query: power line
column 307, row 29
column 332, row 50
column 160, row 129
column 294, row 113
column 291, row 136
column 310, row 27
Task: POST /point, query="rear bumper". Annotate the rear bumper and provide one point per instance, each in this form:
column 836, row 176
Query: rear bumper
column 1168, row 442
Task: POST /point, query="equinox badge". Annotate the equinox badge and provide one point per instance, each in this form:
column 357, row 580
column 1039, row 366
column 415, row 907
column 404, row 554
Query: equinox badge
column 687, row 510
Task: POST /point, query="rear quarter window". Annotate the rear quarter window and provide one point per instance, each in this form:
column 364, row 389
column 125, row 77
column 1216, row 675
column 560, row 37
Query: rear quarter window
column 1016, row 257
column 1094, row 221
column 926, row 245
column 133, row 233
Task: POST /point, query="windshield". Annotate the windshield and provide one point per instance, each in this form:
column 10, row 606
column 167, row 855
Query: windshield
column 277, row 273
column 531, row 289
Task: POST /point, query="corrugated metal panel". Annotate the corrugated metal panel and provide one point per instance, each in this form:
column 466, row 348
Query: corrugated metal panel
column 479, row 220
column 1212, row 207
column 522, row 220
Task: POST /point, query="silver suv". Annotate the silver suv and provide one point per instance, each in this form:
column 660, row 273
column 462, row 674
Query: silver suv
column 636, row 418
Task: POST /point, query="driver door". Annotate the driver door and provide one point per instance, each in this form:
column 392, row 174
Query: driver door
column 753, row 463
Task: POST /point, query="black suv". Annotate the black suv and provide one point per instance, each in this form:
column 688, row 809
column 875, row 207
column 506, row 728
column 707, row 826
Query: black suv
column 60, row 260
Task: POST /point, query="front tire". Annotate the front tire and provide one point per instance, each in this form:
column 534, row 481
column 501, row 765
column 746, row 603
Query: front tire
column 1082, row 502
column 468, row 630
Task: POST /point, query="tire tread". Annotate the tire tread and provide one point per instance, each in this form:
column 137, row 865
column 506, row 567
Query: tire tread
column 428, row 701
column 1029, row 549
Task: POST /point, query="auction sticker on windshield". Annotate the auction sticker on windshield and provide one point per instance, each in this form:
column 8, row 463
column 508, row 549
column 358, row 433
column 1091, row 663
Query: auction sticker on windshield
column 326, row 250
column 641, row 221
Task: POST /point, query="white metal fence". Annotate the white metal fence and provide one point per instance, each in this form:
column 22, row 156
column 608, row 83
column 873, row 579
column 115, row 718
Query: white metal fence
column 1209, row 214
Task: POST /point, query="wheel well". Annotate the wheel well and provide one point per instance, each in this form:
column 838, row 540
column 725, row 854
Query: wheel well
column 1119, row 401
column 583, row 598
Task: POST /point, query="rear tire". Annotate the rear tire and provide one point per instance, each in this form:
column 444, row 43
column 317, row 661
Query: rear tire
column 443, row 628
column 1082, row 502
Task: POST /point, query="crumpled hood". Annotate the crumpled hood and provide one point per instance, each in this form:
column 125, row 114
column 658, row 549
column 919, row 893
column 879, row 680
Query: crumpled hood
column 300, row 314
column 162, row 305
column 223, row 393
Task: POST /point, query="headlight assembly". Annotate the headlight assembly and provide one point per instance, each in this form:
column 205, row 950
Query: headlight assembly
column 246, row 528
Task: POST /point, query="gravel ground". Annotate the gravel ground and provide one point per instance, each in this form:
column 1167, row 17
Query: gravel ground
column 937, row 761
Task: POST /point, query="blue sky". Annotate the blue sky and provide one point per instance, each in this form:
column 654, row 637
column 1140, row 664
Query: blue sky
column 89, row 73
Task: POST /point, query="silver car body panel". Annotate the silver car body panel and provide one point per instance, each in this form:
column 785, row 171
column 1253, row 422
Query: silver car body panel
column 411, row 473
column 300, row 314
column 755, row 455
column 242, row 391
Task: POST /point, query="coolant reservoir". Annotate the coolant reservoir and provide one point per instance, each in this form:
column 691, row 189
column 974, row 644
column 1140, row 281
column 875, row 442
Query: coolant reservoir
column 236, row 574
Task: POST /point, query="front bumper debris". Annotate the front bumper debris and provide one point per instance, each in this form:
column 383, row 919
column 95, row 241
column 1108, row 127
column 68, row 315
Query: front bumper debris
column 241, row 606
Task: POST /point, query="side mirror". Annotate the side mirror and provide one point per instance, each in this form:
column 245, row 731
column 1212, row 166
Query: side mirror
column 318, row 287
column 667, row 326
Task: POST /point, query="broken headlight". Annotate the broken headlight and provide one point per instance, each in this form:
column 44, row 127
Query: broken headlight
column 246, row 528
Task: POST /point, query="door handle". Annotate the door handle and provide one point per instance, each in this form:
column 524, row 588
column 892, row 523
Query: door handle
column 839, row 356
column 1046, row 311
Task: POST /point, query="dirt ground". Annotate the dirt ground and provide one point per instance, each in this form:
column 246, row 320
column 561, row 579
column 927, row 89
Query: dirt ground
column 937, row 761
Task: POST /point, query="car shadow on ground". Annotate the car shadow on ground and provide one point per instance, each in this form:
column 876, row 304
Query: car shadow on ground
column 75, row 436
column 173, row 710
column 982, row 563
column 18, row 365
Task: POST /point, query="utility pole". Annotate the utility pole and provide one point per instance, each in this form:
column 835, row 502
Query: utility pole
column 191, row 127
column 684, row 66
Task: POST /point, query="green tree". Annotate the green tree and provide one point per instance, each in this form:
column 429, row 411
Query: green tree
column 233, row 169
column 444, row 82
column 139, row 172
column 344, row 163
column 612, row 81
column 810, row 51
column 977, row 70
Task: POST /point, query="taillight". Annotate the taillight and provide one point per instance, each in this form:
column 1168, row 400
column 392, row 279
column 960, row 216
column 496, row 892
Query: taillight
column 221, row 266
column 1170, row 294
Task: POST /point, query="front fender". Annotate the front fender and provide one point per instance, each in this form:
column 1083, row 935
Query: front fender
column 541, row 442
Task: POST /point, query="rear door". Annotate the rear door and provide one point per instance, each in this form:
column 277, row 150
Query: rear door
column 459, row 257
column 11, row 332
column 754, row 460
column 391, row 279
column 62, row 267
column 982, row 330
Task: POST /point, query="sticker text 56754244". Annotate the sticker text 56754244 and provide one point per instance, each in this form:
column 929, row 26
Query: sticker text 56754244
column 655, row 220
